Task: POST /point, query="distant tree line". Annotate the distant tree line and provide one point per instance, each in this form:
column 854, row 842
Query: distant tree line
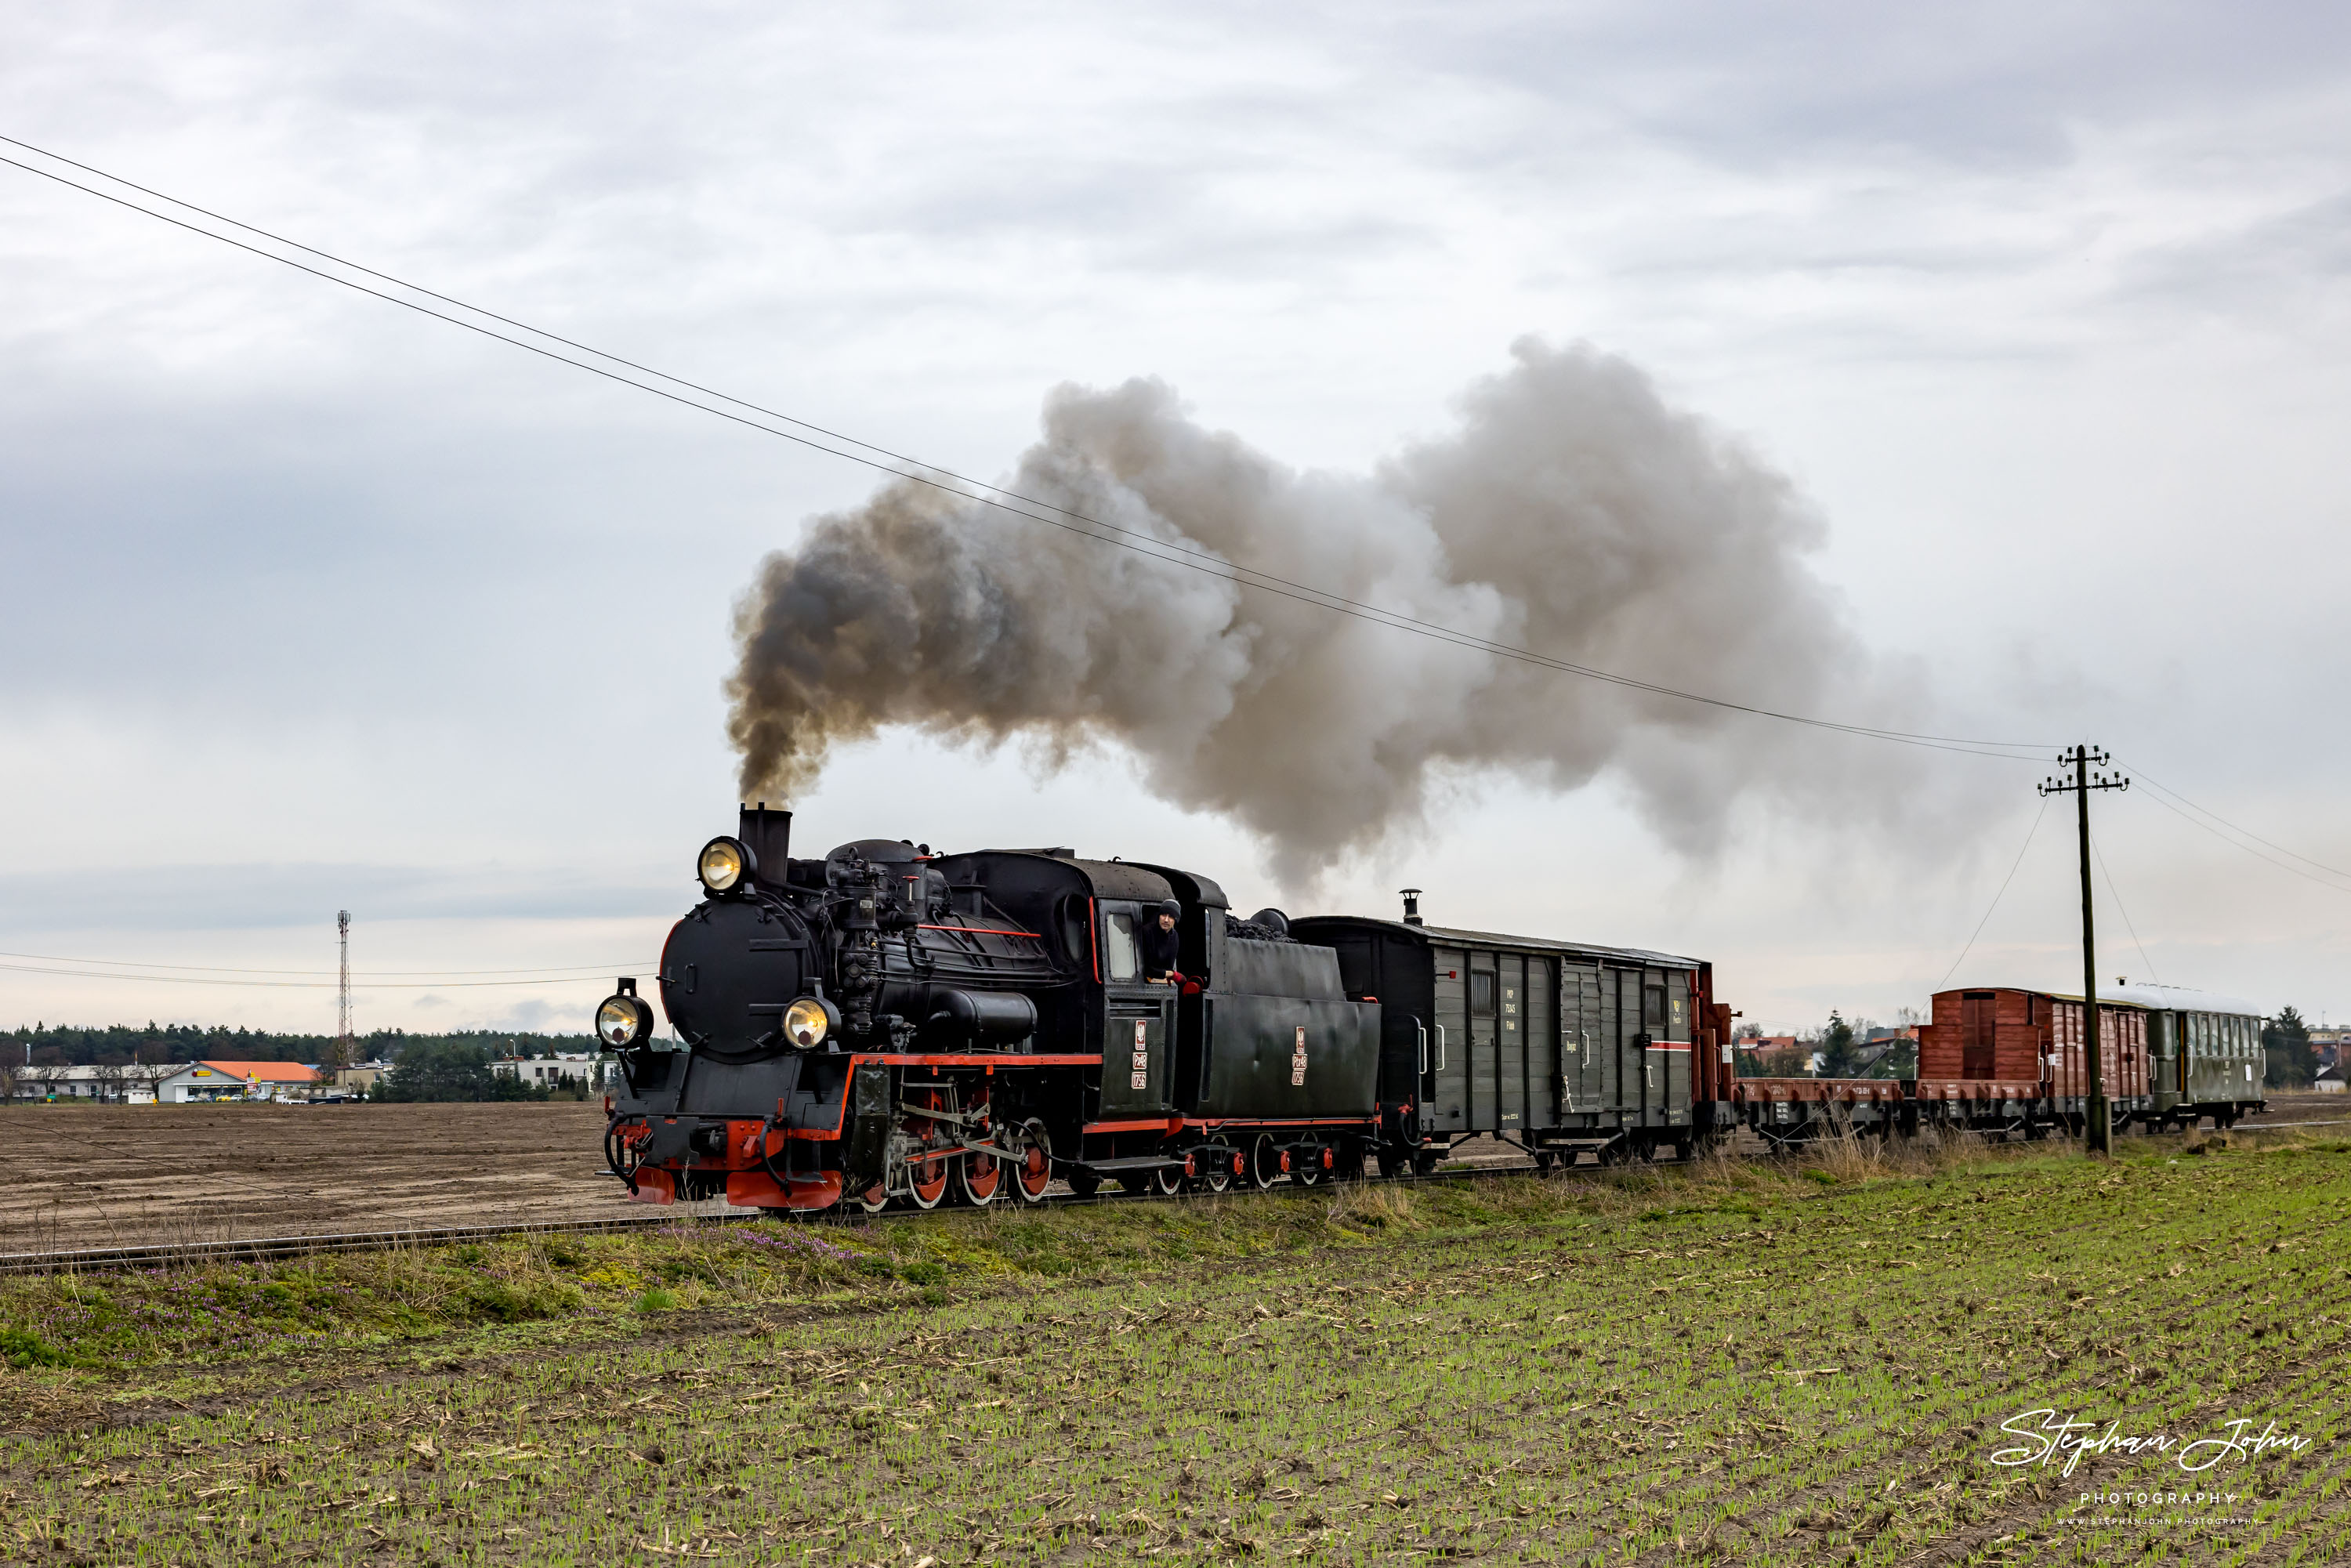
column 1860, row 1049
column 2285, row 1043
column 123, row 1045
column 451, row 1067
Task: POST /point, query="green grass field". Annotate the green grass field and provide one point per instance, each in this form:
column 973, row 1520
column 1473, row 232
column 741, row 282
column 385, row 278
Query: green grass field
column 1753, row 1363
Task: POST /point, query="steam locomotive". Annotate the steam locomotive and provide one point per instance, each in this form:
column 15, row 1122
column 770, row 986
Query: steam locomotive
column 888, row 1025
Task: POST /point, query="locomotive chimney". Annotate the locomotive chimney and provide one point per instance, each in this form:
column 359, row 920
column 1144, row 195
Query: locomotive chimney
column 1412, row 907
column 769, row 835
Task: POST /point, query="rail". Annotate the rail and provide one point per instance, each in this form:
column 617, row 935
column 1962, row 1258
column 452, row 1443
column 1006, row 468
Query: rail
column 266, row 1248
column 262, row 1248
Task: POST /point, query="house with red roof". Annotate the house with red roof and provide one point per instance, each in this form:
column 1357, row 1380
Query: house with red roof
column 203, row 1081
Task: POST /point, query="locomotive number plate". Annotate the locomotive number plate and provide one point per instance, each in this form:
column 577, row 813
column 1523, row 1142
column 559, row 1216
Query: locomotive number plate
column 1298, row 1060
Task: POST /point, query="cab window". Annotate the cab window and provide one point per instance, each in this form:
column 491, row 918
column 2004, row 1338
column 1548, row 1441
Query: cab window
column 1121, row 960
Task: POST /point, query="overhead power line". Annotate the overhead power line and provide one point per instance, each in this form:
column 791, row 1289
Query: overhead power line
column 1997, row 896
column 161, row 979
column 2205, row 818
column 371, row 973
column 2116, row 893
column 898, row 465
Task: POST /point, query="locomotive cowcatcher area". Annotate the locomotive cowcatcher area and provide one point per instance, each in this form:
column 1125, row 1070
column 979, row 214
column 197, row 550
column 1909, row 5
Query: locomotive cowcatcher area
column 1785, row 1360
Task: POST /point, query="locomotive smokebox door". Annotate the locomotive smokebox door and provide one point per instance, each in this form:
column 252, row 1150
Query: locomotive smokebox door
column 871, row 1112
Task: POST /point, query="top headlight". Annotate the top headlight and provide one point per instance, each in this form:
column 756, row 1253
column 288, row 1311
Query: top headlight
column 623, row 1021
column 724, row 864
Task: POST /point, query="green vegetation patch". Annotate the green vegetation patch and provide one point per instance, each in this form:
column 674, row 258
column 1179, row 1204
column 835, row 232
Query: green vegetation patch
column 1730, row 1363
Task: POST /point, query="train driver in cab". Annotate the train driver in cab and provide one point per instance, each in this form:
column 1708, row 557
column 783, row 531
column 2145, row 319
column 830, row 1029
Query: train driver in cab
column 1157, row 942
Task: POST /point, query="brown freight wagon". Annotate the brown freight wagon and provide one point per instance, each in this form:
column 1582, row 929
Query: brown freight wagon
column 2009, row 1032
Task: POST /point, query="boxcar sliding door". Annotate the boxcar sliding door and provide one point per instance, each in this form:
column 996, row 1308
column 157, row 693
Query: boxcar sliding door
column 1620, row 1003
column 1542, row 1046
column 1485, row 1028
column 1674, row 1078
column 1511, row 1043
column 1448, row 1045
column 1582, row 1048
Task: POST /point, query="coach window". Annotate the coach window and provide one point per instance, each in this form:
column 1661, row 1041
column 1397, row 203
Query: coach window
column 1481, row 992
column 1653, row 1011
column 1120, row 961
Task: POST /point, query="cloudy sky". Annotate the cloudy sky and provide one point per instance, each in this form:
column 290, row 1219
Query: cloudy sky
column 314, row 603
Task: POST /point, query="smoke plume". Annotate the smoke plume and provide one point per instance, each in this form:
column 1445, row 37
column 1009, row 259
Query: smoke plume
column 1573, row 513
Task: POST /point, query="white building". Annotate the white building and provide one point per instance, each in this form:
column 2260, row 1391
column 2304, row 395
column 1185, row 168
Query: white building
column 203, row 1080
column 547, row 1072
column 132, row 1084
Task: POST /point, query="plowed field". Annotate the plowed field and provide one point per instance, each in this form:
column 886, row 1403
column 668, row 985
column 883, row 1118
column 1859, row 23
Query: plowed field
column 98, row 1176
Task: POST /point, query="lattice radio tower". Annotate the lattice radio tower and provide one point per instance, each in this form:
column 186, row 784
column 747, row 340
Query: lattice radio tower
column 343, row 989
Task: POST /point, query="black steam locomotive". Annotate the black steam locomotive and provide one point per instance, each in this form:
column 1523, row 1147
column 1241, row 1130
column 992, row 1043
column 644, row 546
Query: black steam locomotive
column 890, row 1025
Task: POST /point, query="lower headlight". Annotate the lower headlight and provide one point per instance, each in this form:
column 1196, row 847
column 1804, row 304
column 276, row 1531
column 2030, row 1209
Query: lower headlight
column 807, row 1021
column 624, row 1020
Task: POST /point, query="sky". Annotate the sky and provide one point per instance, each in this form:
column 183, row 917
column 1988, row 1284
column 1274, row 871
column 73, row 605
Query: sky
column 316, row 604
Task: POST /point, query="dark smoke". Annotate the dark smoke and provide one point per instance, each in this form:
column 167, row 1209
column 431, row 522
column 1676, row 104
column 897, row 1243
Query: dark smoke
column 1573, row 513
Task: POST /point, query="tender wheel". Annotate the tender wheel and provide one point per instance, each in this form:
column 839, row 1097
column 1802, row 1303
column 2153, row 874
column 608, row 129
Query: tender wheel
column 979, row 1179
column 1424, row 1162
column 1139, row 1181
column 1085, row 1184
column 1034, row 1174
column 1169, row 1180
column 1220, row 1174
column 1265, row 1162
column 1307, row 1170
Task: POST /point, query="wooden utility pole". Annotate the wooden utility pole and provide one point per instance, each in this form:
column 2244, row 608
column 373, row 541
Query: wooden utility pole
column 2097, row 1125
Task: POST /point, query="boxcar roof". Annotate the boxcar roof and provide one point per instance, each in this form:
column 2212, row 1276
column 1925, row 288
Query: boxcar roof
column 1451, row 934
column 2159, row 999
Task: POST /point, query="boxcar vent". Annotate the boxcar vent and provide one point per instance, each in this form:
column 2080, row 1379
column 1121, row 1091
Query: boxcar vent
column 1411, row 906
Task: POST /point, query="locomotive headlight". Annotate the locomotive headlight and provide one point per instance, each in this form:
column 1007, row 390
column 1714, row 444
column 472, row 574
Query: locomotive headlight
column 807, row 1021
column 724, row 864
column 623, row 1021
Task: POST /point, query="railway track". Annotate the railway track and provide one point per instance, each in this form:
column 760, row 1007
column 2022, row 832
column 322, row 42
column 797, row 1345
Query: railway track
column 266, row 1249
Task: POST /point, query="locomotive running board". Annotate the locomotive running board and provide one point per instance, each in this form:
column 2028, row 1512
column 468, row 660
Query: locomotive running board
column 1126, row 1163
